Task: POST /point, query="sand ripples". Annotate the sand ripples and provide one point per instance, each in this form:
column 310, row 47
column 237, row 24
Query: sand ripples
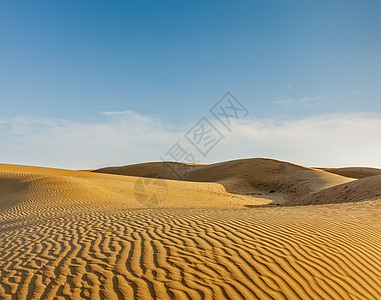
column 328, row 252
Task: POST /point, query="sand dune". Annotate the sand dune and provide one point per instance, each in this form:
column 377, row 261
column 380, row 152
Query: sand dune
column 89, row 235
column 34, row 188
column 354, row 172
column 278, row 181
column 368, row 188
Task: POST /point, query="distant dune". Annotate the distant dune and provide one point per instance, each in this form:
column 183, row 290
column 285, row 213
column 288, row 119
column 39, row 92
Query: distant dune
column 354, row 172
column 276, row 180
column 244, row 229
column 368, row 188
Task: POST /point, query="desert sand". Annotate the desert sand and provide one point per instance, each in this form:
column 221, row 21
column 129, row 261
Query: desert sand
column 354, row 172
column 245, row 229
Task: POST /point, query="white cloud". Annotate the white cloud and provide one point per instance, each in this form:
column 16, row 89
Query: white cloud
column 284, row 102
column 128, row 137
column 304, row 100
column 124, row 137
column 329, row 140
column 309, row 99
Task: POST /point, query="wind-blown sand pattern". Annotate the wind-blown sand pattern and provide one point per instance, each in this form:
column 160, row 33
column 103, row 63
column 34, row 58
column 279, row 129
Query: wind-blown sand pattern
column 75, row 234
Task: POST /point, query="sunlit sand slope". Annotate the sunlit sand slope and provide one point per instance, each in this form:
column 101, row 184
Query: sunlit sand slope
column 316, row 252
column 43, row 190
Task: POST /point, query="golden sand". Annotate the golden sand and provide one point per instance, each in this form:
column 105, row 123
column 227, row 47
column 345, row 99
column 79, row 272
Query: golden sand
column 229, row 230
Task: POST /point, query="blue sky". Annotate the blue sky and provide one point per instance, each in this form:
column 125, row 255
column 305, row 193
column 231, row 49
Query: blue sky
column 67, row 62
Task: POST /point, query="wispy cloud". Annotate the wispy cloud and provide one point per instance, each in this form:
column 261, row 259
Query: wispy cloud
column 129, row 137
column 304, row 100
column 309, row 99
column 328, row 140
column 123, row 137
column 284, row 102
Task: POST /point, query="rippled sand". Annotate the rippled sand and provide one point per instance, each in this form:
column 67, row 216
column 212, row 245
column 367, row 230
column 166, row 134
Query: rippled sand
column 69, row 235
